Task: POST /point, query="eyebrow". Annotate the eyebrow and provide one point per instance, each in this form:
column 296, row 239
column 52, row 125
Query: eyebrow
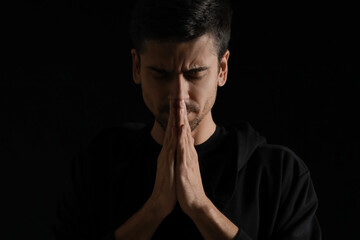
column 196, row 69
column 191, row 70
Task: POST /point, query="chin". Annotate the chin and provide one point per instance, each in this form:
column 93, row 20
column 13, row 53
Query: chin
column 194, row 121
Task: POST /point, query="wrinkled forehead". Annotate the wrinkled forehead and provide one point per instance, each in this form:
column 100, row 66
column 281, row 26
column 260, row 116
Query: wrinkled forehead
column 199, row 51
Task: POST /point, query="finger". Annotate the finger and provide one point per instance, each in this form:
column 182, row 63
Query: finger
column 183, row 116
column 182, row 113
column 172, row 124
column 188, row 135
column 180, row 145
column 169, row 128
column 182, row 137
column 186, row 120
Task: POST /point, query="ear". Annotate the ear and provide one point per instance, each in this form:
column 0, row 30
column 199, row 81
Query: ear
column 223, row 69
column 135, row 66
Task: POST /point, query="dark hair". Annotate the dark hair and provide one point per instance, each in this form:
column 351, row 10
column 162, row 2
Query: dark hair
column 180, row 21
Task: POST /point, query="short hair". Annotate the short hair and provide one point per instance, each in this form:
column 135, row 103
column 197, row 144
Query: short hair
column 181, row 21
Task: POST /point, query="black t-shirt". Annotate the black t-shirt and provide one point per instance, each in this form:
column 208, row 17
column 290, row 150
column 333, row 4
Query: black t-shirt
column 264, row 189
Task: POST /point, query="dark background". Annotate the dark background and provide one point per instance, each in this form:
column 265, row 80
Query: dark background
column 66, row 74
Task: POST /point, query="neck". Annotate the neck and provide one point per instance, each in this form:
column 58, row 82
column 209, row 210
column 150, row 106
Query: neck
column 201, row 133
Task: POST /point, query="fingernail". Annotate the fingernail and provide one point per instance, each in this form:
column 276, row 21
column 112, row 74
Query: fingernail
column 183, row 103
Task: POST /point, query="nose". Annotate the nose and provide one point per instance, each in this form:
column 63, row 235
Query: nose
column 179, row 88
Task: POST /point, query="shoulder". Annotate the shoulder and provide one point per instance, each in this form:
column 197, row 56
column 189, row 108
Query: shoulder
column 123, row 133
column 111, row 143
column 125, row 129
column 279, row 158
column 98, row 157
column 255, row 152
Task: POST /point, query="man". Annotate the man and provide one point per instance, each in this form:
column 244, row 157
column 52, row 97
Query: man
column 185, row 177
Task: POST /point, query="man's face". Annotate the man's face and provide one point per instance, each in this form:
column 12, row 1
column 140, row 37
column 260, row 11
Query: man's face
column 187, row 71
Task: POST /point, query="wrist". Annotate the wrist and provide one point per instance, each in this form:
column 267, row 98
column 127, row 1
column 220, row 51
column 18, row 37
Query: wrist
column 200, row 210
column 141, row 225
column 154, row 207
column 212, row 223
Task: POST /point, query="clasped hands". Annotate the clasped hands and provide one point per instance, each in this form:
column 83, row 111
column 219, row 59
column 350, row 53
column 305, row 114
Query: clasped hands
column 178, row 175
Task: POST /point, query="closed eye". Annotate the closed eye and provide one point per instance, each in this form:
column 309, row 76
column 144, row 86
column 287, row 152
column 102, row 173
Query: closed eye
column 159, row 74
column 158, row 70
column 196, row 73
column 196, row 70
column 192, row 74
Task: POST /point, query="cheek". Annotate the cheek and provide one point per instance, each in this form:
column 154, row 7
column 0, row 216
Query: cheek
column 153, row 96
column 205, row 92
column 148, row 100
column 148, row 94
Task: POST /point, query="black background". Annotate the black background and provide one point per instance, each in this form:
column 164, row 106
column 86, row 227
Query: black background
column 66, row 74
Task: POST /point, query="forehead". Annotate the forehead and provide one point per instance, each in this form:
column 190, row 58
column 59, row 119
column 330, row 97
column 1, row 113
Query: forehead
column 200, row 51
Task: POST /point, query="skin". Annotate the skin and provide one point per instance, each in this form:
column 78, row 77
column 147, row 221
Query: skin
column 179, row 84
column 173, row 71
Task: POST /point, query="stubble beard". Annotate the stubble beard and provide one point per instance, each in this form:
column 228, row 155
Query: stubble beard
column 192, row 108
column 193, row 123
column 195, row 109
